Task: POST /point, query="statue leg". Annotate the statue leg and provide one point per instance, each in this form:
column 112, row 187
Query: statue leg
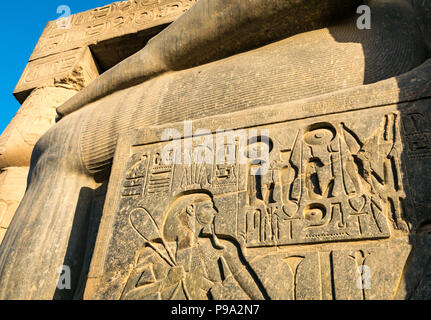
column 50, row 226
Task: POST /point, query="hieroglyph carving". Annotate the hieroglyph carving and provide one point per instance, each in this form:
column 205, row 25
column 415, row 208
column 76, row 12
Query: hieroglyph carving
column 329, row 186
column 107, row 22
column 196, row 222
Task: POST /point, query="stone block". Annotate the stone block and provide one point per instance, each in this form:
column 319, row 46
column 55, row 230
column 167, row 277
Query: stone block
column 73, row 69
column 13, row 182
column 329, row 217
column 2, row 234
column 33, row 119
column 111, row 21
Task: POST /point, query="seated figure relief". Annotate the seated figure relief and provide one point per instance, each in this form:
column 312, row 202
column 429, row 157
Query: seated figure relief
column 198, row 262
column 339, row 193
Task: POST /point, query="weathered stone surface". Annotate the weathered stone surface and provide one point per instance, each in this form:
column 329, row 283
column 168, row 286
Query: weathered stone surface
column 73, row 69
column 114, row 32
column 201, row 38
column 352, row 172
column 32, row 120
column 44, row 85
column 13, row 182
column 342, row 211
column 111, row 21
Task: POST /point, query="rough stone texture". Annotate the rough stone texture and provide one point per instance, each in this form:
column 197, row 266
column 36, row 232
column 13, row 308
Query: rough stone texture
column 62, row 60
column 204, row 34
column 423, row 17
column 45, row 84
column 12, row 187
column 111, row 21
column 113, row 33
column 345, row 197
column 60, row 68
column 32, row 120
column 73, row 69
column 356, row 171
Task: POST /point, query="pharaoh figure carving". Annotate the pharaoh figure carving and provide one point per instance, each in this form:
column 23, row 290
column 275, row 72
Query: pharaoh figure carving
column 192, row 269
column 332, row 186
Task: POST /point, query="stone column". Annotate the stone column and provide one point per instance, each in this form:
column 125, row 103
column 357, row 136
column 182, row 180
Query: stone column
column 45, row 84
column 12, row 187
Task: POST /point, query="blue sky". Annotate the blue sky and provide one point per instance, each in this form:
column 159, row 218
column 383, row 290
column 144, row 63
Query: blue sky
column 22, row 24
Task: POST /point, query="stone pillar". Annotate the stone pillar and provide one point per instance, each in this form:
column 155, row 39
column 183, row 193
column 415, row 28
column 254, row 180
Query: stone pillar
column 46, row 84
column 36, row 115
column 60, row 66
column 12, row 187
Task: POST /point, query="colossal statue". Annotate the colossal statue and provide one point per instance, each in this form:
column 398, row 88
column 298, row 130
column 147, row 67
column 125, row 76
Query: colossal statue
column 340, row 194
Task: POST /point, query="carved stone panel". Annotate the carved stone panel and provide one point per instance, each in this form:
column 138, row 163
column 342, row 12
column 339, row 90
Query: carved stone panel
column 73, row 69
column 314, row 208
column 111, row 21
